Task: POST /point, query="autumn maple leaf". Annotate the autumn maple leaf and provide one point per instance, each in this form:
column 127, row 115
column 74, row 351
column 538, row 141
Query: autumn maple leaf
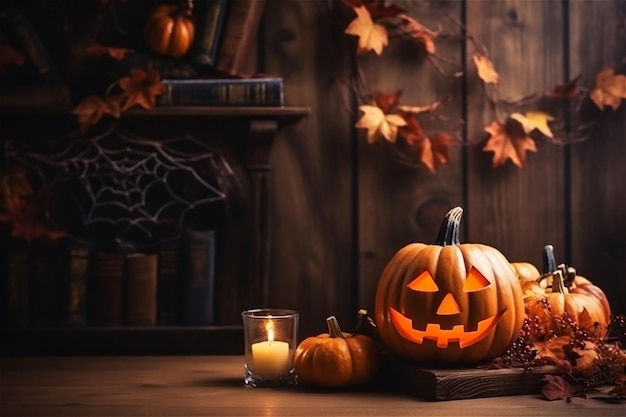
column 534, row 120
column 14, row 188
column 9, row 57
column 433, row 151
column 387, row 102
column 379, row 124
column 141, row 87
column 115, row 53
column 372, row 36
column 610, row 89
column 508, row 141
column 484, row 66
column 565, row 91
column 558, row 388
column 412, row 29
column 91, row 109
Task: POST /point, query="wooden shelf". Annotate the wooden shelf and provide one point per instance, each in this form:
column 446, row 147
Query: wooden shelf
column 253, row 129
column 157, row 340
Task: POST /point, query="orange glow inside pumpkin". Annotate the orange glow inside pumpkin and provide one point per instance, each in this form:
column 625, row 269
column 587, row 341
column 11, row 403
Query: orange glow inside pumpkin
column 424, row 282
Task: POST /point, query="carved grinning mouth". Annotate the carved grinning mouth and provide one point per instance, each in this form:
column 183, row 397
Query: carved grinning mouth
column 442, row 337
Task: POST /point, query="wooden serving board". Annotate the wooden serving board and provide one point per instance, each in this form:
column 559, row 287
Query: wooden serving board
column 455, row 384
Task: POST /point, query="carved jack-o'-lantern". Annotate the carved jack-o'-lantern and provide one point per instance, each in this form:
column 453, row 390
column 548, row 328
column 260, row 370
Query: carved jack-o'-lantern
column 449, row 303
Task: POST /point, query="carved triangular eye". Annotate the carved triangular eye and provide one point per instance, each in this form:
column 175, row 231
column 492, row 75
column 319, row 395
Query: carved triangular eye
column 475, row 281
column 424, row 282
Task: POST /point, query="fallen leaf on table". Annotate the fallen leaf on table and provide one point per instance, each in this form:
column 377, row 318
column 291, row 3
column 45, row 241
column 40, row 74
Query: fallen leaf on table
column 485, row 69
column 535, row 120
column 610, row 89
column 372, row 36
column 558, row 388
column 91, row 109
column 508, row 141
column 379, row 124
column 141, row 87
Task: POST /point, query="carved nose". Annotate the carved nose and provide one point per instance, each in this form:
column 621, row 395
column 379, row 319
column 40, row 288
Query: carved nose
column 448, row 306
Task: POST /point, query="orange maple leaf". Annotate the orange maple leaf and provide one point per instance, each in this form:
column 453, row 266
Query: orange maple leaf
column 372, row 36
column 115, row 53
column 485, row 69
column 433, row 151
column 26, row 223
column 91, row 109
column 379, row 124
column 14, row 188
column 414, row 30
column 9, row 57
column 387, row 102
column 508, row 141
column 141, row 87
column 610, row 89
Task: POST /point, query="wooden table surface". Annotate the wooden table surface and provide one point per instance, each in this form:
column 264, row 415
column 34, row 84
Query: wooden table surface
column 212, row 386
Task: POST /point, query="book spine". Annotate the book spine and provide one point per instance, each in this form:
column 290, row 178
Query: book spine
column 169, row 284
column 198, row 257
column 79, row 269
column 141, row 289
column 227, row 92
column 21, row 32
column 109, row 277
column 167, row 67
column 240, row 32
column 47, row 266
column 16, row 299
column 210, row 15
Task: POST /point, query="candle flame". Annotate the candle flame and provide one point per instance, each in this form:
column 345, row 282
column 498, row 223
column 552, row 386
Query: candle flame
column 269, row 326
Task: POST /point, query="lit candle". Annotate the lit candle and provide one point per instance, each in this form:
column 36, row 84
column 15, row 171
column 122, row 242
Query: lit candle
column 270, row 358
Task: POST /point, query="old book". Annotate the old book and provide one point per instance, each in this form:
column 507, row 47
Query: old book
column 15, row 298
column 169, row 286
column 109, row 288
column 79, row 267
column 21, row 34
column 141, row 289
column 198, row 262
column 210, row 19
column 46, row 277
column 222, row 92
column 239, row 34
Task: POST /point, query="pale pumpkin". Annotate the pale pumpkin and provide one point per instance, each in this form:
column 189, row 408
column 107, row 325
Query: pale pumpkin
column 528, row 276
column 448, row 303
column 170, row 30
column 336, row 359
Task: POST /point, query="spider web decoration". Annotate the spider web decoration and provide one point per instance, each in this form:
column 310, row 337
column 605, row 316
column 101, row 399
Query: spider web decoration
column 120, row 190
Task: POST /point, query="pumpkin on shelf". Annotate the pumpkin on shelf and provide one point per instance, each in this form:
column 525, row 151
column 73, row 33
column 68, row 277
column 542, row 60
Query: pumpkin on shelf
column 169, row 29
column 448, row 303
column 336, row 359
column 570, row 293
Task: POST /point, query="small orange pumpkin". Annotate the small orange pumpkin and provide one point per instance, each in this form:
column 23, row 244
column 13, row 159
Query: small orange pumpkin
column 170, row 29
column 336, row 359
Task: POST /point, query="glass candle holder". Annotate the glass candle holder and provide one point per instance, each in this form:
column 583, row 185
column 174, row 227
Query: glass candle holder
column 270, row 337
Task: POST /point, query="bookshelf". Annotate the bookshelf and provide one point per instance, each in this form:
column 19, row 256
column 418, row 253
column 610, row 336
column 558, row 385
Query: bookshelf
column 247, row 133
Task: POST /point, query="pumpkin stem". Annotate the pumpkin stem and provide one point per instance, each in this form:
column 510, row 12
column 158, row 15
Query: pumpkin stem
column 549, row 264
column 333, row 327
column 364, row 324
column 449, row 230
column 557, row 282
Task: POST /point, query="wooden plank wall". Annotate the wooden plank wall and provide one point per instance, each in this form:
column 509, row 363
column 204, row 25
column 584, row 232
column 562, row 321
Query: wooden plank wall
column 342, row 207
